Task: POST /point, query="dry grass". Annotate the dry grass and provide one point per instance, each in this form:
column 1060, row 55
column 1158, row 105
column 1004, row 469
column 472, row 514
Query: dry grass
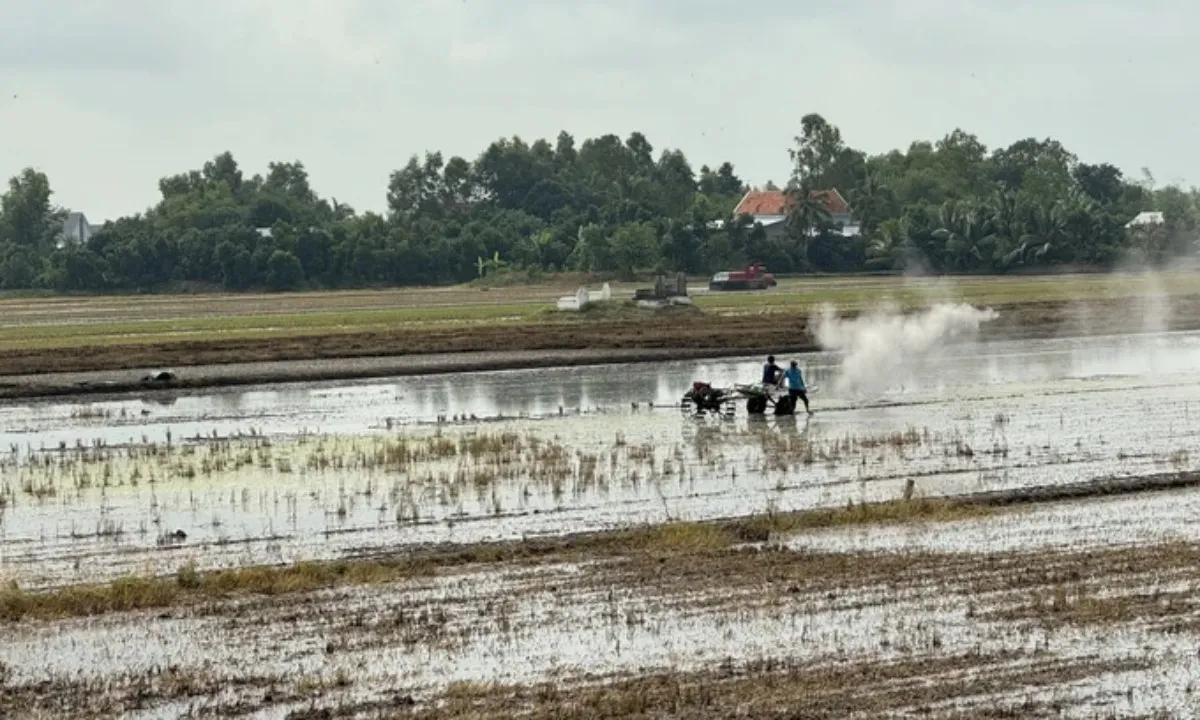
column 890, row 512
column 1105, row 603
column 772, row 688
column 189, row 585
column 117, row 697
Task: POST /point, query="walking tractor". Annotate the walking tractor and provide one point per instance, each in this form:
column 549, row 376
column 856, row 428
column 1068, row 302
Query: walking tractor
column 704, row 398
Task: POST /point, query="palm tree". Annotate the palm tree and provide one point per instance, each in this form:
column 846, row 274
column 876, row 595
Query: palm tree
column 1045, row 230
column 966, row 233
column 870, row 201
column 1010, row 249
column 891, row 246
column 806, row 217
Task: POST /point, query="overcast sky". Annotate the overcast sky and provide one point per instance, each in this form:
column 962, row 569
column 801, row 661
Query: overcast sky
column 107, row 96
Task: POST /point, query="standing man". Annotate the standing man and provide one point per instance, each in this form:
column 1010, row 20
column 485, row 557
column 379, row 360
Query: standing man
column 796, row 387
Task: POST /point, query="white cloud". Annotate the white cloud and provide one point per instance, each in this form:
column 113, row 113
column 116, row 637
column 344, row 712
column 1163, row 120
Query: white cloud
column 113, row 94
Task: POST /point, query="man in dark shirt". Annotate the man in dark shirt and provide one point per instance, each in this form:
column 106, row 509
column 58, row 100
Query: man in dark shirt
column 771, row 372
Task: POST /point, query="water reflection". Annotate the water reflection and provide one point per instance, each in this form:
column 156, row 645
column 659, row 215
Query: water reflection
column 366, row 406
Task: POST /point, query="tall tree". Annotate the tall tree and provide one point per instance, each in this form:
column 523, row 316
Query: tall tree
column 290, row 180
column 1102, row 183
column 817, row 150
column 27, row 218
column 1035, row 168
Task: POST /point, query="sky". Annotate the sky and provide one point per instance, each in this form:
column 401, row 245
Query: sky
column 108, row 96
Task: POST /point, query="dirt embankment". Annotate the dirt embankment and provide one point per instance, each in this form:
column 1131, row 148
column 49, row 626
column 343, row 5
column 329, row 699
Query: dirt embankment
column 577, row 341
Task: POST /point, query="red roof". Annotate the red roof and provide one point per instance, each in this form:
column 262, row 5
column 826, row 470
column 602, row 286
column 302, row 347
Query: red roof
column 776, row 202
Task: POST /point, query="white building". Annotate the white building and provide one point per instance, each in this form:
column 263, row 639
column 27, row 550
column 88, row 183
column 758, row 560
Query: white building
column 770, row 209
column 77, row 230
column 1146, row 219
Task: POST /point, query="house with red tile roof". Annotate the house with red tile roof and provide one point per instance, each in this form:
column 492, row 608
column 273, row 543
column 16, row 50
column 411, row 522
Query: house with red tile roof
column 770, row 208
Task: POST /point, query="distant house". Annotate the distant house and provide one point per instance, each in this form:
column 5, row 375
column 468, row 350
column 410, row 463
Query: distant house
column 770, row 208
column 77, row 230
column 1146, row 220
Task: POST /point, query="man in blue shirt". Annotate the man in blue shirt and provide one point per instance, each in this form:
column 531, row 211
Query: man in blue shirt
column 796, row 387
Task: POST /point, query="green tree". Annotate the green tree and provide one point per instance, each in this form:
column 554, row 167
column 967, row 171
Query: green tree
column 1102, row 183
column 605, row 204
column 965, row 231
column 284, row 271
column 807, row 218
column 1035, row 168
column 890, row 246
column 417, row 190
column 27, row 217
column 634, row 247
column 817, row 149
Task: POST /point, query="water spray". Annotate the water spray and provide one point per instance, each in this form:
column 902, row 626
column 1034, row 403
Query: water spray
column 879, row 347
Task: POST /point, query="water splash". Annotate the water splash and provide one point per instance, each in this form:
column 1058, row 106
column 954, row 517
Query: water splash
column 882, row 346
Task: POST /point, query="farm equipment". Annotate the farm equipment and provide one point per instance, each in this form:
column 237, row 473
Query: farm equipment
column 752, row 277
column 703, row 398
column 664, row 292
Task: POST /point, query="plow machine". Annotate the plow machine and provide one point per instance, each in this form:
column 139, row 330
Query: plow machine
column 704, row 398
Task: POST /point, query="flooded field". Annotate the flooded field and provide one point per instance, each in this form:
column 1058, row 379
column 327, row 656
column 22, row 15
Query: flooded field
column 90, row 491
column 1054, row 609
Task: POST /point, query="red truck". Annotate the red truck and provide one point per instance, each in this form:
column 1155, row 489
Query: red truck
column 752, row 277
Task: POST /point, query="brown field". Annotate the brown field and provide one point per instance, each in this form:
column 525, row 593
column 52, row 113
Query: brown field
column 111, row 334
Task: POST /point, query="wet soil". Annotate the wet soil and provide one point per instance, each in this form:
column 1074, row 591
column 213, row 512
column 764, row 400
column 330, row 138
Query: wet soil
column 778, row 633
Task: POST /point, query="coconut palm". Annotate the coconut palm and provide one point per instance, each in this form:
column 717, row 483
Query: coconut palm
column 870, row 201
column 1045, row 230
column 891, row 246
column 806, row 217
column 966, row 234
column 1010, row 246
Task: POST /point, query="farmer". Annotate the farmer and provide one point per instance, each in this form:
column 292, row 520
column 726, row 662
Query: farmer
column 772, row 373
column 796, row 389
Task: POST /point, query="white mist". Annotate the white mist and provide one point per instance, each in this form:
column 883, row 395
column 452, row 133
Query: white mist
column 880, row 347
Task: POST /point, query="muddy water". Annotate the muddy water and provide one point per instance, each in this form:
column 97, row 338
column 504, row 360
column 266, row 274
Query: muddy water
column 971, row 418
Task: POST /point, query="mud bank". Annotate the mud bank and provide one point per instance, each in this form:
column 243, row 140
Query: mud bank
column 99, row 383
column 118, row 369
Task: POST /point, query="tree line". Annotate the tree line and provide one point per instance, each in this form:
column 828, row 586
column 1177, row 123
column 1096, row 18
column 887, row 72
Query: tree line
column 609, row 206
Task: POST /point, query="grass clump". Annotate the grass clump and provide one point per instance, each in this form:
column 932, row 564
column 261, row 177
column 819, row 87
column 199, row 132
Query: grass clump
column 685, row 537
column 123, row 594
column 189, row 584
column 760, row 527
